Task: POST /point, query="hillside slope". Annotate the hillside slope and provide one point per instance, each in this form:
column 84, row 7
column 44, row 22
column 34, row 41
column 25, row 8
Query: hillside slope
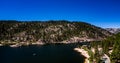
column 111, row 46
column 50, row 31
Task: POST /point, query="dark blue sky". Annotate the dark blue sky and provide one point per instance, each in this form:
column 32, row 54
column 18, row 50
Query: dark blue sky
column 103, row 13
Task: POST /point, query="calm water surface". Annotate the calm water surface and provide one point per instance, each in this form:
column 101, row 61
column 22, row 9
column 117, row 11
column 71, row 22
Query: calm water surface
column 40, row 54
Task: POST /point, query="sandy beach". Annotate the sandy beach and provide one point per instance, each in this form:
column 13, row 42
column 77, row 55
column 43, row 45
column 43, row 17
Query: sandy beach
column 84, row 53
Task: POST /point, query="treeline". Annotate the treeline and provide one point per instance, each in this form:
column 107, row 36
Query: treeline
column 48, row 31
column 110, row 46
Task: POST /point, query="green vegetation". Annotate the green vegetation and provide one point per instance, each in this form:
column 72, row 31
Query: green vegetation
column 57, row 31
column 110, row 44
column 49, row 31
column 94, row 56
column 115, row 55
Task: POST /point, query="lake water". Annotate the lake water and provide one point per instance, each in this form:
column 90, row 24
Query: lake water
column 41, row 54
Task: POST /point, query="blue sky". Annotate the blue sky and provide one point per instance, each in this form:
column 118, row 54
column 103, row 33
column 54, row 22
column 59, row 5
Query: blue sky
column 103, row 13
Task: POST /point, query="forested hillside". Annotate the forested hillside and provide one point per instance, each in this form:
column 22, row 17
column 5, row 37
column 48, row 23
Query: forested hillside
column 113, row 44
column 109, row 46
column 50, row 31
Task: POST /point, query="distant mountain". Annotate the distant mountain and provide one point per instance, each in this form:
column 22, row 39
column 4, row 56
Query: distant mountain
column 50, row 31
column 113, row 30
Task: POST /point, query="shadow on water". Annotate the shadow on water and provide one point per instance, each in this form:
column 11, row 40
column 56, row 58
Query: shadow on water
column 60, row 53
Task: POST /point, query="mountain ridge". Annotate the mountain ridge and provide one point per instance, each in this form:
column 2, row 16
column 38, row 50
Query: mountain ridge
column 113, row 30
column 50, row 31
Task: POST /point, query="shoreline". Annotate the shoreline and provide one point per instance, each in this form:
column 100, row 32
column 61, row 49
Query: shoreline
column 84, row 53
column 13, row 44
column 34, row 43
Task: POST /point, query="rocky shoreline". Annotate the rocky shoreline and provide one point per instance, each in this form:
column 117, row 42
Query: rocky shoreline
column 84, row 53
column 16, row 44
